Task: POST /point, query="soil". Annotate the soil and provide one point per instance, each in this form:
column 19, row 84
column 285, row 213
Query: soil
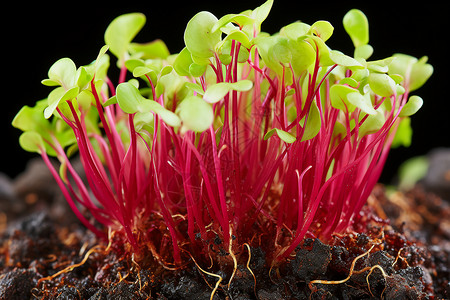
column 401, row 252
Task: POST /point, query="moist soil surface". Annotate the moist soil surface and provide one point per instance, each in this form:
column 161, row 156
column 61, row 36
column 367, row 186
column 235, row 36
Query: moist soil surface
column 400, row 251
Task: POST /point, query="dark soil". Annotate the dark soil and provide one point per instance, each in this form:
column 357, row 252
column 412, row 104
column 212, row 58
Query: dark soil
column 401, row 253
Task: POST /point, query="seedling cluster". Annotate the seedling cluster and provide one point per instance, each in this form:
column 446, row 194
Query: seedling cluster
column 241, row 138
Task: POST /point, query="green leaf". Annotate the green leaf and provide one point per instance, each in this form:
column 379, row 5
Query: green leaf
column 143, row 121
column 141, row 71
column 239, row 19
column 411, row 107
column 344, row 97
column 84, row 76
column 282, row 53
column 416, row 72
column 344, row 60
column 319, row 46
column 357, row 27
column 403, row 136
column 56, row 96
column 101, row 63
column 197, row 70
column 372, row 124
column 166, row 115
column 195, row 87
column 110, row 101
column 199, row 36
column 382, row 84
column 195, row 114
column 303, row 55
column 131, row 101
column 361, row 101
column 349, row 81
column 360, row 75
column 129, row 98
column 121, row 31
column 85, row 99
column 295, row 30
column 322, row 29
column 31, row 141
column 260, row 13
column 363, row 51
column 133, row 63
column 182, row 62
column 283, row 135
column 265, row 45
column 152, row 50
column 62, row 73
column 277, row 51
column 216, row 92
column 338, row 97
column 313, row 123
column 380, row 66
column 239, row 36
column 412, row 171
column 32, row 118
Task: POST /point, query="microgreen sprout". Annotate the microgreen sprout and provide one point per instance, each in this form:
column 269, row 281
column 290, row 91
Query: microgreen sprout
column 241, row 138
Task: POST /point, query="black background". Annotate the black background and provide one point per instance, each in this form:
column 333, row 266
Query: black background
column 36, row 35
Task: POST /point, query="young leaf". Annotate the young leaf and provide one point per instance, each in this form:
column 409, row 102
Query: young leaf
column 411, row 107
column 363, row 51
column 142, row 70
column 131, row 101
column 62, row 73
column 195, row 114
column 403, row 135
column 239, row 36
column 217, row 91
column 31, row 141
column 412, row 171
column 295, row 30
column 313, row 123
column 344, row 60
column 195, row 87
column 260, row 13
column 322, row 29
column 303, row 55
column 56, row 96
column 415, row 71
column 143, row 121
column 197, row 70
column 373, row 123
column 199, row 37
column 152, row 50
column 363, row 102
column 382, row 84
column 381, row 65
column 239, row 19
column 283, row 135
column 121, row 31
column 182, row 62
column 31, row 118
column 129, row 98
column 357, row 27
column 339, row 99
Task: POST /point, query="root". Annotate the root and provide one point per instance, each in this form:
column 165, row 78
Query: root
column 97, row 248
column 210, row 274
column 159, row 259
column 384, row 276
column 250, row 270
column 399, row 256
column 352, row 272
column 230, row 250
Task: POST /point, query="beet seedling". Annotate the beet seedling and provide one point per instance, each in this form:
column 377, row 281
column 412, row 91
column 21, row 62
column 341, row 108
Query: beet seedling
column 241, row 138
